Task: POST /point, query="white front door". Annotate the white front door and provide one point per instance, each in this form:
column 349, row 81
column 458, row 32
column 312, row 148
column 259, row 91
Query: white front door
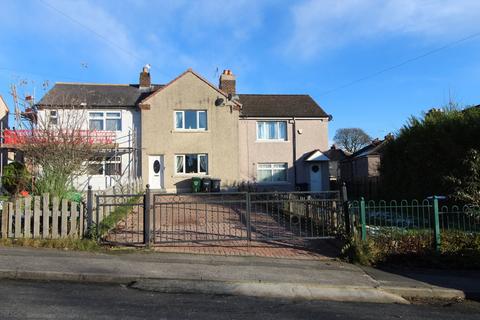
column 155, row 169
column 316, row 177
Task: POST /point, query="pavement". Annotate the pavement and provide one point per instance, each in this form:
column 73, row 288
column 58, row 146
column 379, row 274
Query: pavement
column 239, row 275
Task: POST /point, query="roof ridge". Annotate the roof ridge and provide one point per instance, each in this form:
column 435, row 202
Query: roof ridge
column 94, row 84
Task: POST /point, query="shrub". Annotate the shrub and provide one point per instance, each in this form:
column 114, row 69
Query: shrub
column 427, row 150
column 414, row 248
column 15, row 177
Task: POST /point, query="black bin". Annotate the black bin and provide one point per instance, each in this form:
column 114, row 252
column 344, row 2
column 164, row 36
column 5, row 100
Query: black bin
column 215, row 185
column 206, row 184
column 302, row 187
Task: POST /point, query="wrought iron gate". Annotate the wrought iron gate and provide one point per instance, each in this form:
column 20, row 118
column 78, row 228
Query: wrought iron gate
column 163, row 218
column 260, row 216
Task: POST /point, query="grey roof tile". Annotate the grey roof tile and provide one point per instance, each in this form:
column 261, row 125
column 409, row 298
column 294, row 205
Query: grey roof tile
column 280, row 105
column 95, row 95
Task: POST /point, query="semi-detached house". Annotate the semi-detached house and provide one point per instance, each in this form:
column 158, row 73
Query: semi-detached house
column 189, row 127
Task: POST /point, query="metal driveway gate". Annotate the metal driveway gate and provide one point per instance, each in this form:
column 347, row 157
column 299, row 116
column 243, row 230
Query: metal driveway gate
column 119, row 218
column 259, row 216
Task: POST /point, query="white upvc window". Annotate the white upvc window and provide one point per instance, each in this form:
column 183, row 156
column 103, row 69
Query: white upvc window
column 272, row 130
column 191, row 120
column 53, row 117
column 272, row 172
column 109, row 121
column 108, row 166
column 191, row 163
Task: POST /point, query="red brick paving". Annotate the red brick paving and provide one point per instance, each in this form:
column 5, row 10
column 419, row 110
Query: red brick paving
column 243, row 248
column 195, row 224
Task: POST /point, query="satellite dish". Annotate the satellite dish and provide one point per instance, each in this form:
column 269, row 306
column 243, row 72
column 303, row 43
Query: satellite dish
column 219, row 102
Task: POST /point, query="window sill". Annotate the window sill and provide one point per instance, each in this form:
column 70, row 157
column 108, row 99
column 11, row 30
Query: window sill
column 273, row 183
column 271, row 141
column 190, row 175
column 189, row 131
column 102, row 175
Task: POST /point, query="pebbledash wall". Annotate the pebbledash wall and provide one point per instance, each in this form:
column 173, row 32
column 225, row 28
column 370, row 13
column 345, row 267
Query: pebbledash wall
column 220, row 141
column 308, row 134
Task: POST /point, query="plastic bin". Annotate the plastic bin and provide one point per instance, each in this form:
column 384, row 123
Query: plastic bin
column 215, row 185
column 196, row 184
column 206, row 184
column 302, row 187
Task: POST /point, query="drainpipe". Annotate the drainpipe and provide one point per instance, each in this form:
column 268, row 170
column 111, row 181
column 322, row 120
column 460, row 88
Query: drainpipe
column 294, row 140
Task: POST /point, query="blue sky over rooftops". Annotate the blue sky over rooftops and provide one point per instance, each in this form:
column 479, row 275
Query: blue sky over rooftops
column 272, row 46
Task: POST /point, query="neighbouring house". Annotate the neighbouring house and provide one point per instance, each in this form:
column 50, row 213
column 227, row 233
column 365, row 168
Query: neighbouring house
column 189, row 127
column 4, row 113
column 363, row 163
column 336, row 156
column 360, row 170
column 280, row 141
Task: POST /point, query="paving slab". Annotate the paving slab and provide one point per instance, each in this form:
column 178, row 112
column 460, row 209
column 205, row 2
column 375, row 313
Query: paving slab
column 255, row 276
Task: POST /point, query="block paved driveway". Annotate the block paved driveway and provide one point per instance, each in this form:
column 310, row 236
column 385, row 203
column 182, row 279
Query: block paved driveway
column 192, row 226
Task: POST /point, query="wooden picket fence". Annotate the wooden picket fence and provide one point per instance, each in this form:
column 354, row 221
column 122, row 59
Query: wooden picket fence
column 39, row 218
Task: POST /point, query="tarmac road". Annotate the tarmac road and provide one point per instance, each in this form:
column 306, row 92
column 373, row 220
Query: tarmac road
column 62, row 300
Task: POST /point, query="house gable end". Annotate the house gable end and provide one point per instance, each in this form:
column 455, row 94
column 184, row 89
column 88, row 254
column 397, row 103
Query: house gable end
column 198, row 82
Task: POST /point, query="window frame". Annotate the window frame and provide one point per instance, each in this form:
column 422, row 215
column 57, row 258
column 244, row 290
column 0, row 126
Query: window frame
column 104, row 119
column 53, row 117
column 272, row 169
column 101, row 164
column 197, row 120
column 277, row 129
column 183, row 156
column 114, row 160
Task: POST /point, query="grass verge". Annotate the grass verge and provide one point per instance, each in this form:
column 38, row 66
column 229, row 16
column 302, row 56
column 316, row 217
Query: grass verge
column 64, row 244
column 459, row 250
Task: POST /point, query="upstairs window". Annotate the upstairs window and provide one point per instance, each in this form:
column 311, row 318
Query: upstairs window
column 272, row 130
column 53, row 117
column 109, row 121
column 191, row 120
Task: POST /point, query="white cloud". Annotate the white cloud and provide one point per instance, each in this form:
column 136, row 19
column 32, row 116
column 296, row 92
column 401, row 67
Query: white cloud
column 319, row 26
column 99, row 29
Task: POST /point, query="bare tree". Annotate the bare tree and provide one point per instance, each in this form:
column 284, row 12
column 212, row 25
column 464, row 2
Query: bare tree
column 351, row 139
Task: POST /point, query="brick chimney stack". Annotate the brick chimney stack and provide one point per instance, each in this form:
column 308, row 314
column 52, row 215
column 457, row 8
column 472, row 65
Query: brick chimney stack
column 227, row 82
column 145, row 81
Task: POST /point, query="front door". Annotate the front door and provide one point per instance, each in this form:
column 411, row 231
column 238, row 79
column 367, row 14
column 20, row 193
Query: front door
column 316, row 177
column 155, row 170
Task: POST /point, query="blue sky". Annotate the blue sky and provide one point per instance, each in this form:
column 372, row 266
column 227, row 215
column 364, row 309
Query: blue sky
column 272, row 46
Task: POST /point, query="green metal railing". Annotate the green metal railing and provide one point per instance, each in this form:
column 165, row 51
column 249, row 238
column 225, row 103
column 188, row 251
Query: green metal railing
column 413, row 219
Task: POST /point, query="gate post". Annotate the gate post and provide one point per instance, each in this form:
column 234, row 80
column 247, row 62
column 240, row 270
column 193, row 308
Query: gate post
column 97, row 216
column 436, row 221
column 89, row 210
column 362, row 219
column 248, row 208
column 146, row 216
column 345, row 210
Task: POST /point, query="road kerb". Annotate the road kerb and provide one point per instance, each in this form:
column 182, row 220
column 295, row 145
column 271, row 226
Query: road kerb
column 425, row 292
column 284, row 290
column 301, row 291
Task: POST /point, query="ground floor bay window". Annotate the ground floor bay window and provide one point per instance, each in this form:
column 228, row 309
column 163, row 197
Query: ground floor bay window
column 272, row 172
column 191, row 163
